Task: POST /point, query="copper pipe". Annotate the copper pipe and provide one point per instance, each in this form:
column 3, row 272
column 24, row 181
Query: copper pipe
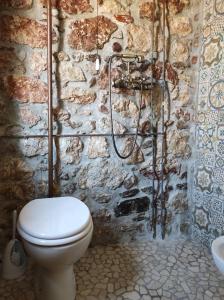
column 49, row 83
column 163, row 204
column 26, row 136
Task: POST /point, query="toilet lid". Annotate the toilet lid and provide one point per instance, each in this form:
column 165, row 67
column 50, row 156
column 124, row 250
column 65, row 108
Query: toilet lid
column 54, row 218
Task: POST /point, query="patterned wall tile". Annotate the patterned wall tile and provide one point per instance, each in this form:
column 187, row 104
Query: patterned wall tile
column 204, row 89
column 208, row 9
column 219, row 7
column 220, row 148
column 218, row 176
column 205, row 137
column 211, row 52
column 221, row 117
column 202, row 103
column 206, row 159
column 208, row 189
column 201, row 218
column 217, row 205
column 203, row 179
column 204, row 76
column 220, row 132
column 208, row 117
column 219, row 162
column 202, row 200
column 216, row 219
column 217, row 73
column 216, row 95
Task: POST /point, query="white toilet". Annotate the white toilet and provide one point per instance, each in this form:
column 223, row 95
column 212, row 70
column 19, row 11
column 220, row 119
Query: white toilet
column 56, row 232
column 218, row 253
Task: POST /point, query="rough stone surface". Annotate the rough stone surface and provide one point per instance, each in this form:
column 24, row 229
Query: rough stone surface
column 83, row 35
column 34, row 147
column 98, row 147
column 115, row 7
column 14, row 168
column 70, row 6
column 72, row 150
column 25, row 89
column 127, row 207
column 180, row 52
column 9, row 62
column 139, row 38
column 176, row 6
column 136, row 156
column 180, row 146
column 38, row 64
column 130, row 181
column 70, row 72
column 129, row 193
column 126, row 108
column 28, row 117
column 147, row 10
column 118, row 127
column 78, row 96
column 101, row 174
column 180, row 203
column 181, row 26
column 22, row 30
column 127, row 19
column 16, row 3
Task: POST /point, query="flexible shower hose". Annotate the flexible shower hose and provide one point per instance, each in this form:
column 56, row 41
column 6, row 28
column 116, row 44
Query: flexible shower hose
column 112, row 123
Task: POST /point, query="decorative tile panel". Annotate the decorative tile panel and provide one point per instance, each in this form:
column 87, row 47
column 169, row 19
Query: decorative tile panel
column 208, row 189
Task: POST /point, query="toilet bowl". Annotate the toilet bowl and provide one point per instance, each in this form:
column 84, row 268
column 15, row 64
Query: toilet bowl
column 56, row 232
column 218, row 253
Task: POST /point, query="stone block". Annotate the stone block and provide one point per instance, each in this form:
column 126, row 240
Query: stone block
column 130, row 181
column 130, row 193
column 98, row 147
column 84, row 33
column 25, row 4
column 181, row 25
column 23, row 31
column 25, row 89
column 71, row 6
column 129, row 206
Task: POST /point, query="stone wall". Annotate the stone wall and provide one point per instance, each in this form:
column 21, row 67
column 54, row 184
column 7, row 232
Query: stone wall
column 117, row 192
column 208, row 191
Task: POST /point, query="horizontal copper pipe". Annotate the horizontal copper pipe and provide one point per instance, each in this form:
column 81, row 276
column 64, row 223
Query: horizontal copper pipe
column 76, row 135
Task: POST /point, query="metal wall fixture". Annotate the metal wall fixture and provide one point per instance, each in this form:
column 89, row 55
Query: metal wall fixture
column 126, row 81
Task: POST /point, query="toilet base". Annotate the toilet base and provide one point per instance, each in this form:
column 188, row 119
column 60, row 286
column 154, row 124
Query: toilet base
column 57, row 284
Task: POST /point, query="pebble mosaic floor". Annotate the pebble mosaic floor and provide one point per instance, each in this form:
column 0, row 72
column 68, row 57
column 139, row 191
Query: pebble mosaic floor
column 175, row 270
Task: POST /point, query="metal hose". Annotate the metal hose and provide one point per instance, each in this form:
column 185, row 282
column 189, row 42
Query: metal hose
column 111, row 119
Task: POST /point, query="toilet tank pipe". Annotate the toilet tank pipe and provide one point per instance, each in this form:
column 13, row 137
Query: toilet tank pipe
column 50, row 108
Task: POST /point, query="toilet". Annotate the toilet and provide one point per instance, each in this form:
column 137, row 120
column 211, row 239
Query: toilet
column 56, row 232
column 218, row 253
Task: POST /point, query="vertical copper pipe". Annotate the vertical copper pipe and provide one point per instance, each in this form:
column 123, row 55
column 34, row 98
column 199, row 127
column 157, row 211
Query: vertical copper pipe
column 49, row 82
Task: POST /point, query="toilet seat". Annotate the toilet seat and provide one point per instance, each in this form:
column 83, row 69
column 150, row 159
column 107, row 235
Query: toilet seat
column 57, row 242
column 54, row 221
